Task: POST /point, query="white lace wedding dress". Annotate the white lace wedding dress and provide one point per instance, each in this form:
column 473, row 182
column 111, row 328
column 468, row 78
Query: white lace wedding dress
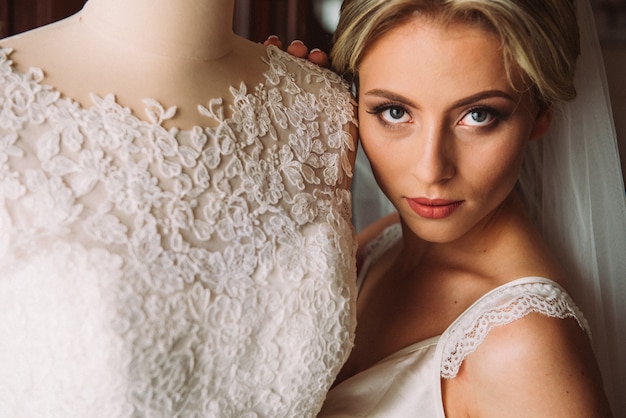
column 147, row 272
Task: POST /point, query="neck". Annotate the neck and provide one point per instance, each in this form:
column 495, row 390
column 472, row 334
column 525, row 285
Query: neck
column 188, row 29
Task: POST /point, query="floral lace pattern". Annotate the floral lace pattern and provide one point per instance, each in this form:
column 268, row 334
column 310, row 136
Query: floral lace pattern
column 500, row 307
column 147, row 272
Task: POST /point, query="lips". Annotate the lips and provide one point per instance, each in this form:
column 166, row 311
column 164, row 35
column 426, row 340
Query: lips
column 434, row 209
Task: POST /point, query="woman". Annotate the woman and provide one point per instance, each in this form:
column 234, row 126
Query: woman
column 462, row 307
column 175, row 219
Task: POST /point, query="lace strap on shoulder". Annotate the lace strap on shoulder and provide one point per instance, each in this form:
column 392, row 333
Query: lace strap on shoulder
column 502, row 306
column 383, row 242
column 376, row 247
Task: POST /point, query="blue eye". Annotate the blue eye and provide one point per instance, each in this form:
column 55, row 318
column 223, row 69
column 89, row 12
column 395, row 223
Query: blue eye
column 395, row 113
column 391, row 114
column 479, row 117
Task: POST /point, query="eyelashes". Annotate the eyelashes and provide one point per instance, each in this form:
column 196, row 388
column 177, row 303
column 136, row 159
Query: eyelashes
column 481, row 116
column 393, row 115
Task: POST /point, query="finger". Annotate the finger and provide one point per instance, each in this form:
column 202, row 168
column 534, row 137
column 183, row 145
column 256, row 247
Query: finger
column 273, row 40
column 319, row 57
column 298, row 49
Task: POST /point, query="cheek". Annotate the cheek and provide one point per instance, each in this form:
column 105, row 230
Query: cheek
column 497, row 159
column 496, row 172
column 383, row 147
column 383, row 158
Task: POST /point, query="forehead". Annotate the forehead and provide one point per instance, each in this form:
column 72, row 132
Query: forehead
column 429, row 53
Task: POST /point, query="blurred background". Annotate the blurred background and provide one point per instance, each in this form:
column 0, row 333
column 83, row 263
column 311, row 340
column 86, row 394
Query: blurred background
column 313, row 21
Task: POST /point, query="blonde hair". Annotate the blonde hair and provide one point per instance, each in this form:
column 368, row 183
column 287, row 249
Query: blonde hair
column 539, row 37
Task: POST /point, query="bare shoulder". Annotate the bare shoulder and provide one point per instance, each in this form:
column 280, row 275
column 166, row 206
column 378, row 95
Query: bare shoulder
column 373, row 230
column 535, row 366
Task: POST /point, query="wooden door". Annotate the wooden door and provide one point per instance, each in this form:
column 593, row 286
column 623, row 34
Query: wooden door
column 21, row 15
column 288, row 19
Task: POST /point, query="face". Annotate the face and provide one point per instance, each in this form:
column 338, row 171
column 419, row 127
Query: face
column 444, row 130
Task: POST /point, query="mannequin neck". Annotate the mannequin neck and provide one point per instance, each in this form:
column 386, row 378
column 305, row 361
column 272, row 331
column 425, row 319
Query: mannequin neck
column 186, row 29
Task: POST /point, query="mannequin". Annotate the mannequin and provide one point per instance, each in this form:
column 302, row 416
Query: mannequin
column 175, row 216
column 179, row 53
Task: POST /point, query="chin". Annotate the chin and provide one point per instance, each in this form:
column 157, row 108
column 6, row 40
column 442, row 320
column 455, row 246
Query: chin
column 435, row 232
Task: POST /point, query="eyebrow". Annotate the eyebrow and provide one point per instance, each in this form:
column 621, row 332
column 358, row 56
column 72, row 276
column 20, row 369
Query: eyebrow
column 484, row 95
column 487, row 94
column 386, row 94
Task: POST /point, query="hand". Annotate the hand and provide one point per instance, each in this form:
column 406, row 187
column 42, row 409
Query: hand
column 298, row 49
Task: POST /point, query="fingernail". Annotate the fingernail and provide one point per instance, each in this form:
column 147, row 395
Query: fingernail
column 297, row 41
column 315, row 50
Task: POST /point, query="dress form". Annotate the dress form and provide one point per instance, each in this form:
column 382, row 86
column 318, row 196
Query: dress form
column 193, row 262
column 178, row 53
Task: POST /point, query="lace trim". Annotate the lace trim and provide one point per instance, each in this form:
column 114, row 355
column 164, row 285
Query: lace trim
column 514, row 302
column 376, row 247
column 384, row 241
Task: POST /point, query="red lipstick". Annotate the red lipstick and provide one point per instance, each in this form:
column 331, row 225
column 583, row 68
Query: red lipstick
column 433, row 208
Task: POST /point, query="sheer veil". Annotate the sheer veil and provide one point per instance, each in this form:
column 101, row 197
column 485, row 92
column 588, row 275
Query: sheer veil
column 573, row 185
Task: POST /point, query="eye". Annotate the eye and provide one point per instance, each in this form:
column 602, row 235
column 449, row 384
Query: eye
column 394, row 114
column 479, row 117
column 391, row 114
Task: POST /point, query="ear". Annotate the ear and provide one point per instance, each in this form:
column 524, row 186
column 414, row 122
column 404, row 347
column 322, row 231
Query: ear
column 542, row 123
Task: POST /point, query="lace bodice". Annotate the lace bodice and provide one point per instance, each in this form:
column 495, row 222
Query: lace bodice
column 408, row 382
column 147, row 272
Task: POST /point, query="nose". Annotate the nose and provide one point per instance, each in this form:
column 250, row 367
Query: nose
column 434, row 154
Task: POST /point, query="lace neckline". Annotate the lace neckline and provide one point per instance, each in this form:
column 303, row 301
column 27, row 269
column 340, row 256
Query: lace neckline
column 157, row 114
